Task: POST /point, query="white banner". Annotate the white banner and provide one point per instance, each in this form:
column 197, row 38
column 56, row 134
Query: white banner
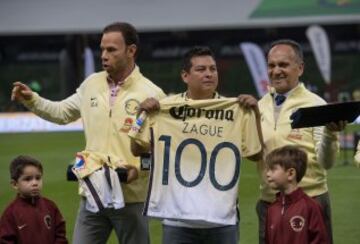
column 28, row 122
column 89, row 65
column 357, row 121
column 256, row 61
column 320, row 45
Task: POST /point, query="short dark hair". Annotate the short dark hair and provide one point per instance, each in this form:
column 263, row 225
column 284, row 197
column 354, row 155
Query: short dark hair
column 293, row 44
column 289, row 157
column 127, row 30
column 18, row 164
column 195, row 52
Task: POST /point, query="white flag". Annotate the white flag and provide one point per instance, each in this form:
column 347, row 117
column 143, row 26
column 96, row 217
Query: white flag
column 255, row 59
column 89, row 66
column 319, row 42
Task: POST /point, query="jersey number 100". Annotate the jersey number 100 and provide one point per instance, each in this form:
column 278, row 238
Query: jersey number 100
column 191, row 141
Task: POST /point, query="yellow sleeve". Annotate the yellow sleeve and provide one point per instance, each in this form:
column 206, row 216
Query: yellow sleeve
column 357, row 155
column 250, row 141
column 140, row 131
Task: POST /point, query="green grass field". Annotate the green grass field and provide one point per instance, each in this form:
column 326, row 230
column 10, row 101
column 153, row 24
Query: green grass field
column 285, row 8
column 56, row 150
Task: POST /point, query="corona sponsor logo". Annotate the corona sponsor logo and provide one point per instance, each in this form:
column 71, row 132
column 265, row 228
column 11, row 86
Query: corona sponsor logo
column 186, row 111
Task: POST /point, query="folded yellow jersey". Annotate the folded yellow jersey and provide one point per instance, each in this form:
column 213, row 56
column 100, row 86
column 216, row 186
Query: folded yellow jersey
column 87, row 162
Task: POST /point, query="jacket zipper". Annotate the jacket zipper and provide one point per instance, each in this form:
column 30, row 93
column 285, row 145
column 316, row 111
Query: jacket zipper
column 282, row 216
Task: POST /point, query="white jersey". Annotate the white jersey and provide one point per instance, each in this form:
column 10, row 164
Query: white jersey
column 197, row 147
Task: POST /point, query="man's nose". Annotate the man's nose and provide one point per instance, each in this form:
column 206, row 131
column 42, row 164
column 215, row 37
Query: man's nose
column 208, row 73
column 276, row 70
column 103, row 55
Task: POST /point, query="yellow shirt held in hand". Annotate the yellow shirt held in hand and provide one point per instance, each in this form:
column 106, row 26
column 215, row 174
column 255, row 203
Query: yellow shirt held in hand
column 197, row 148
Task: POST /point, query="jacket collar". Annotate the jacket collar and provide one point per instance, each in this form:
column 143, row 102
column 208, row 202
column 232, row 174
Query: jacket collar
column 186, row 98
column 290, row 198
column 28, row 200
column 134, row 75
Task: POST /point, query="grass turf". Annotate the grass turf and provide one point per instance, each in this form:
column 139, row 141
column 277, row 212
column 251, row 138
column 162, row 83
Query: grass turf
column 285, row 8
column 57, row 150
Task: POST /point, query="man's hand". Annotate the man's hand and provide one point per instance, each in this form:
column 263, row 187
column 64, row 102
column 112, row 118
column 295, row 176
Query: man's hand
column 150, row 105
column 336, row 126
column 132, row 173
column 249, row 102
column 21, row 92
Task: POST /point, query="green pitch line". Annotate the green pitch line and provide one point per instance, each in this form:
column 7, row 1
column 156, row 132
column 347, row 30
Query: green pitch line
column 286, row 8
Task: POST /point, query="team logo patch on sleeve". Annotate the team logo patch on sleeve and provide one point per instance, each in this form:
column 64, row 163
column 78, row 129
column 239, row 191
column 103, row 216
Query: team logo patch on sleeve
column 79, row 162
column 297, row 223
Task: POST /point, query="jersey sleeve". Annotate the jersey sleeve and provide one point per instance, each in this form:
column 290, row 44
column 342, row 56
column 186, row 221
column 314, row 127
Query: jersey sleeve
column 317, row 229
column 250, row 141
column 60, row 230
column 7, row 228
column 142, row 135
column 61, row 112
column 326, row 146
column 357, row 155
column 326, row 142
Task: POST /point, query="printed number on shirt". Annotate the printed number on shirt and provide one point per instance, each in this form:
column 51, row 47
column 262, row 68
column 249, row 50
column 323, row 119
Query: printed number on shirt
column 198, row 147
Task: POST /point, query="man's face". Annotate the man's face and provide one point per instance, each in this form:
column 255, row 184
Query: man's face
column 115, row 54
column 284, row 68
column 202, row 78
column 29, row 183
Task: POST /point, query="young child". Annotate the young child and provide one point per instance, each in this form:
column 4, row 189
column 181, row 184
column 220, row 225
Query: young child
column 30, row 218
column 294, row 217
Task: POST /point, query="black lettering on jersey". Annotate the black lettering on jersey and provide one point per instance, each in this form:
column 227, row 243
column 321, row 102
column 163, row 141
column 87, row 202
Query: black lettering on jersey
column 93, row 102
column 185, row 127
column 203, row 129
column 193, row 129
column 186, row 111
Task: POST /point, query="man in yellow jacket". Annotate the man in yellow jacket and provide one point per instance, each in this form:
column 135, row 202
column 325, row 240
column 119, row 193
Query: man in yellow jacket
column 287, row 93
column 107, row 102
column 357, row 155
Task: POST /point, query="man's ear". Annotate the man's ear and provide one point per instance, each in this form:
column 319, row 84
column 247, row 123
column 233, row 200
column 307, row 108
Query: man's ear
column 14, row 184
column 301, row 68
column 184, row 76
column 131, row 50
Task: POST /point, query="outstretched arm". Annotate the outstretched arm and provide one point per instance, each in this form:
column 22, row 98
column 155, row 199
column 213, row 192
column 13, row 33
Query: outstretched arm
column 62, row 112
